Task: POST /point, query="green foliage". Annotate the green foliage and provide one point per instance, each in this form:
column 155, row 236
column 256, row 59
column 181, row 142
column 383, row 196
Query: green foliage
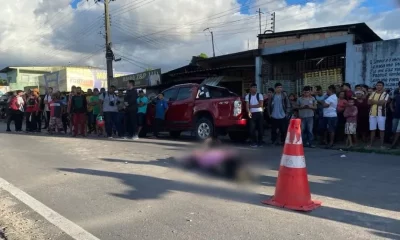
column 203, row 55
column 3, row 82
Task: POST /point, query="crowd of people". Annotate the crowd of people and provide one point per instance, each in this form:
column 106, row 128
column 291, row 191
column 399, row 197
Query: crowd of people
column 108, row 113
column 335, row 114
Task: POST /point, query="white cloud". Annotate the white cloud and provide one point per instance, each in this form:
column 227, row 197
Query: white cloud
column 155, row 33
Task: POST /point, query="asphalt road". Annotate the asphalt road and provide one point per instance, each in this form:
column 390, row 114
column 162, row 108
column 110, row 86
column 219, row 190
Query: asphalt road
column 134, row 190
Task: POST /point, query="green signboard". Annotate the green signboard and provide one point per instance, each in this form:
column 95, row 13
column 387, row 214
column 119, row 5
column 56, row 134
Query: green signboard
column 143, row 79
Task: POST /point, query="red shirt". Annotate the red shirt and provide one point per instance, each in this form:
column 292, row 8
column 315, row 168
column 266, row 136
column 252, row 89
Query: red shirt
column 32, row 104
column 14, row 103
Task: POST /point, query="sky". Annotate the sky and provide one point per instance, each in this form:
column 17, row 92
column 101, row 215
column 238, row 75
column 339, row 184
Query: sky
column 165, row 33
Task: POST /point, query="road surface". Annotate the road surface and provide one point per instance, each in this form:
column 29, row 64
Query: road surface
column 67, row 188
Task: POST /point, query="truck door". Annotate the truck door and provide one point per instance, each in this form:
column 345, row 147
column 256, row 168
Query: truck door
column 183, row 107
column 170, row 97
column 222, row 102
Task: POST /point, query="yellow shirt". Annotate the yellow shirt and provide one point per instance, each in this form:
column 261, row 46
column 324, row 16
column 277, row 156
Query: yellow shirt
column 375, row 109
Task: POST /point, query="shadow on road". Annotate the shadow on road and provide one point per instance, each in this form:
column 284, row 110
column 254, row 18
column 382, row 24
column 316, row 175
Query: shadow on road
column 146, row 187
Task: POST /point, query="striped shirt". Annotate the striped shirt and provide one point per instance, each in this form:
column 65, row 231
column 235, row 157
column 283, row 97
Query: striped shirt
column 375, row 109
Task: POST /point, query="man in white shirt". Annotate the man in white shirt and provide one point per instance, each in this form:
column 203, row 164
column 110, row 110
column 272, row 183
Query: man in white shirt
column 47, row 100
column 330, row 113
column 109, row 110
column 254, row 106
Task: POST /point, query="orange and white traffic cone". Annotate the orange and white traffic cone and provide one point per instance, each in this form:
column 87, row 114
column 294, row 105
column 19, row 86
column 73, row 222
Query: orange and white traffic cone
column 292, row 189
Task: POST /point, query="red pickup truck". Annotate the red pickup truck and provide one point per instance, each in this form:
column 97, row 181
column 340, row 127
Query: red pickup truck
column 202, row 109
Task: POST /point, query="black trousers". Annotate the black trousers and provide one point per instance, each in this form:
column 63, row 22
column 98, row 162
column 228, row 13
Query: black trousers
column 31, row 121
column 131, row 123
column 257, row 127
column 157, row 126
column 46, row 125
column 281, row 125
column 16, row 116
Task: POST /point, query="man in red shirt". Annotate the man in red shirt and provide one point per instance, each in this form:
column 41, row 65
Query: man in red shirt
column 347, row 89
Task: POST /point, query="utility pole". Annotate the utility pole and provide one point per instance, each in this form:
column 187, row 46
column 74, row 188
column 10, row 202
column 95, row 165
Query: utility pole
column 110, row 57
column 212, row 39
column 109, row 52
column 259, row 16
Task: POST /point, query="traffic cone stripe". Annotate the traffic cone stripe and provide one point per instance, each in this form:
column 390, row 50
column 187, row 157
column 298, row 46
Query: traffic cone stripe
column 292, row 138
column 293, row 161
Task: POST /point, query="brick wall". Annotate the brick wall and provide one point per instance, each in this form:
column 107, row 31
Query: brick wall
column 281, row 41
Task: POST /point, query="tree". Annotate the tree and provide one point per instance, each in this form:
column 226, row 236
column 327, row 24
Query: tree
column 3, row 82
column 203, row 55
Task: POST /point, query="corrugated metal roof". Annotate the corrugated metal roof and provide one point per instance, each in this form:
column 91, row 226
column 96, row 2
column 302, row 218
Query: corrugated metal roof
column 212, row 81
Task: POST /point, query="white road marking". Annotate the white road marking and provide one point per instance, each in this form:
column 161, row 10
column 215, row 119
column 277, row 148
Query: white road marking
column 53, row 217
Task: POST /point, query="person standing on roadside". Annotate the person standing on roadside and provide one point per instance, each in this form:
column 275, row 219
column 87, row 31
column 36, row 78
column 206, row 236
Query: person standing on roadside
column 95, row 103
column 142, row 102
column 32, row 110
column 109, row 110
column 47, row 100
column 161, row 109
column 320, row 125
column 330, row 114
column 131, row 109
column 347, row 91
column 395, row 107
column 121, row 113
column 254, row 106
column 89, row 114
column 79, row 110
column 377, row 114
column 16, row 113
column 278, row 110
column 307, row 105
column 70, row 114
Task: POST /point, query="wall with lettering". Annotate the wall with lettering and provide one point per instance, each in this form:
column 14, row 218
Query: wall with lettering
column 373, row 62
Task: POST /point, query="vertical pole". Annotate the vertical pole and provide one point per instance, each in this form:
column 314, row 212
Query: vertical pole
column 109, row 53
column 259, row 16
column 212, row 38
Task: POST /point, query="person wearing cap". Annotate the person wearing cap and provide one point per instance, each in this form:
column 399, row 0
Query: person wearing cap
column 395, row 107
column 254, row 106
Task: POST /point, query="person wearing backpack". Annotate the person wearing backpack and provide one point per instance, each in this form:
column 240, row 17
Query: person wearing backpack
column 254, row 106
column 278, row 110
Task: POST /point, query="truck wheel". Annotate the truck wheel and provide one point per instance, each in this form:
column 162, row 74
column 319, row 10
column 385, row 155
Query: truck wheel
column 175, row 134
column 238, row 136
column 204, row 129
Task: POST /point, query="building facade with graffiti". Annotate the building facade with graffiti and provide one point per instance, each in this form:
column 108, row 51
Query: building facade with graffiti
column 86, row 78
